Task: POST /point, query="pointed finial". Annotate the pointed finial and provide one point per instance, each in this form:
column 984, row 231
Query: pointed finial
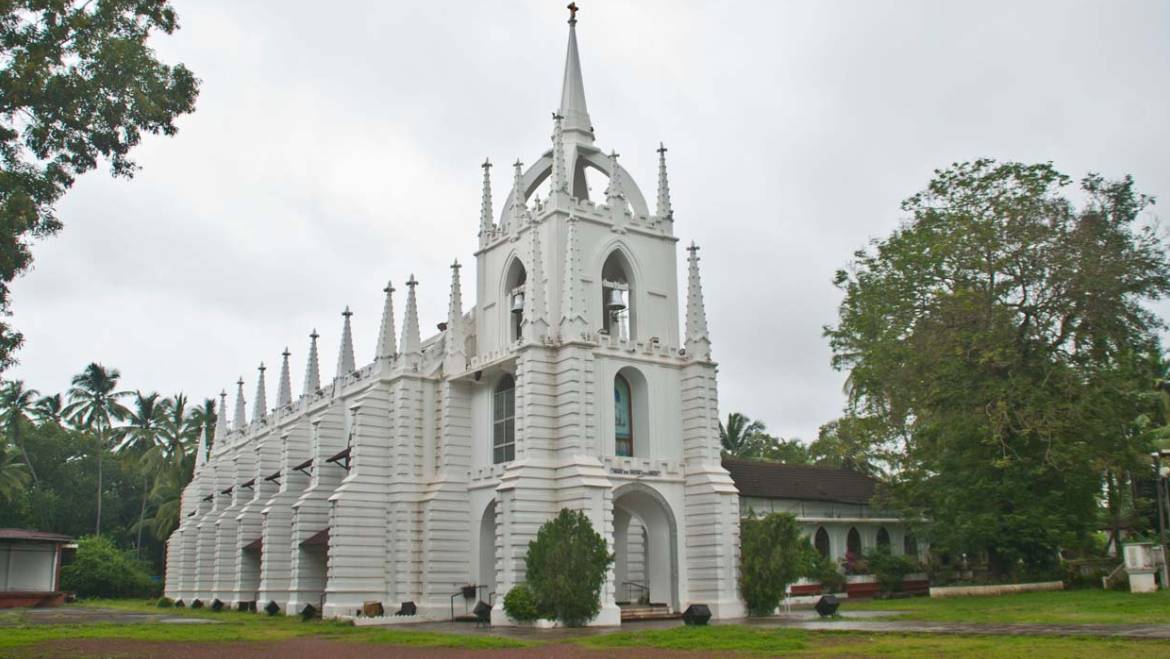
column 615, row 195
column 386, row 340
column 345, row 358
column 573, row 322
column 572, row 7
column 312, row 369
column 221, row 419
column 560, row 176
column 518, row 208
column 284, row 389
column 698, row 343
column 535, row 320
column 664, row 210
column 455, row 360
column 201, row 449
column 411, row 343
column 260, row 406
column 485, row 202
column 241, row 412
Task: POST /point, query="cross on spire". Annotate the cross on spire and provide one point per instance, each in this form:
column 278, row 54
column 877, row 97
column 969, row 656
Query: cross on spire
column 573, row 9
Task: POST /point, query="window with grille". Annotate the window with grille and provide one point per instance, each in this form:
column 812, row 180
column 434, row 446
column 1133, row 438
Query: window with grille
column 504, row 421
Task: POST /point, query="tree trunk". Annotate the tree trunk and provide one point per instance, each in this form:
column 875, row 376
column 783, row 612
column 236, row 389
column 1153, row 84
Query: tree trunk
column 23, row 452
column 100, row 447
column 1114, row 511
column 141, row 517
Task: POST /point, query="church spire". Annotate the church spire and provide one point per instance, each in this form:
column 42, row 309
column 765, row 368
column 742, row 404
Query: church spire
column 386, row 340
column 241, row 412
column 284, row 389
column 664, row 210
column 456, row 359
column 260, row 406
column 345, row 359
column 312, row 369
column 577, row 124
column 573, row 322
column 698, row 343
column 535, row 307
column 411, row 344
column 485, row 202
column 221, row 424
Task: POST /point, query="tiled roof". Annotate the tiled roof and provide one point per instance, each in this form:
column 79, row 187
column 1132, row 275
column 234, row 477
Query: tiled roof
column 775, row 480
column 28, row 535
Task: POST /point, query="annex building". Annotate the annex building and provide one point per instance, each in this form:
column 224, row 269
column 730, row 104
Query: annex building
column 567, row 383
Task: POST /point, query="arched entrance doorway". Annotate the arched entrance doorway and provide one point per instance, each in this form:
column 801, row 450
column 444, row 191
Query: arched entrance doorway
column 645, row 537
column 487, row 552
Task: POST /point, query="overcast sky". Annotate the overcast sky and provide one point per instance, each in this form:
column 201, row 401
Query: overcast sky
column 332, row 150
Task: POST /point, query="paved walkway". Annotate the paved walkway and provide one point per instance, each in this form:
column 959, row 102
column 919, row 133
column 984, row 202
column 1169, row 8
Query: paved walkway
column 854, row 621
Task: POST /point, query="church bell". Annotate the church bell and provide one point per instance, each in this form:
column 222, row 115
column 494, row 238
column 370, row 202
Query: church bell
column 616, row 301
column 518, row 302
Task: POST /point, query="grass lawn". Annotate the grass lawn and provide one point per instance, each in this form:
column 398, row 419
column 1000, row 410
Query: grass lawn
column 1060, row 607
column 718, row 638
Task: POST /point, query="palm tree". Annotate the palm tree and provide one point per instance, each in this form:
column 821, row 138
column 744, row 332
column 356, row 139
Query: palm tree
column 141, row 431
column 49, row 409
column 203, row 417
column 140, row 437
column 172, row 461
column 93, row 406
column 15, row 404
column 738, row 434
column 13, row 475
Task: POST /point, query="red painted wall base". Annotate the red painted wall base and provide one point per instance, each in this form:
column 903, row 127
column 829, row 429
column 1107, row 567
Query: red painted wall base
column 23, row 600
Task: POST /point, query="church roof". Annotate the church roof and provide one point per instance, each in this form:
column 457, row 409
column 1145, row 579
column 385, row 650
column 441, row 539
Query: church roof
column 775, row 480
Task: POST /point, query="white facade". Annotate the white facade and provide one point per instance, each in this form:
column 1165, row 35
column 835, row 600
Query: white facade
column 433, row 466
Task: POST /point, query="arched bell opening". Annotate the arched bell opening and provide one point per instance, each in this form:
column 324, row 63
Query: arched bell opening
column 645, row 547
column 513, row 296
column 487, row 552
column 619, row 313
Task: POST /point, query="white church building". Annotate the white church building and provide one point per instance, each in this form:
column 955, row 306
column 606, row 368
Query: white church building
column 567, row 384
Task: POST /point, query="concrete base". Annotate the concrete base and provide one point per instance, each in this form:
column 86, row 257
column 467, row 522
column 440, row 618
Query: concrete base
column 1142, row 581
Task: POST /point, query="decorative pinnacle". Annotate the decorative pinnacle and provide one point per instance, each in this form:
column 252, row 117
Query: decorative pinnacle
column 347, row 313
column 284, row 388
column 664, row 210
column 573, row 9
column 260, row 405
column 386, row 340
column 485, row 203
column 412, row 282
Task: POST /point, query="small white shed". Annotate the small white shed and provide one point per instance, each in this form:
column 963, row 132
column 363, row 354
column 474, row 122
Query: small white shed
column 30, row 568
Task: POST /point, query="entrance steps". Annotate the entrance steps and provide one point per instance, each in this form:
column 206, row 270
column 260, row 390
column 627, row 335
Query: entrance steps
column 652, row 611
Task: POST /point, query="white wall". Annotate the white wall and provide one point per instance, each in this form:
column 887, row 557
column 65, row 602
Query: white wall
column 27, row 567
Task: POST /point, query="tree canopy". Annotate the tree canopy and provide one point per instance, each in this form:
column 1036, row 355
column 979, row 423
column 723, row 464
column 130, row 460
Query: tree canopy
column 999, row 347
column 78, row 83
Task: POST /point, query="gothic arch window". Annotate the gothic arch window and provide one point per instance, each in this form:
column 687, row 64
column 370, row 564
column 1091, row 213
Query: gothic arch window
column 910, row 545
column 821, row 542
column 504, row 420
column 513, row 297
column 883, row 538
column 853, row 542
column 623, row 419
column 617, row 297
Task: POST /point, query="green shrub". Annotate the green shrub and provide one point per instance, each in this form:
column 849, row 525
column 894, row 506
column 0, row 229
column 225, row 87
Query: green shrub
column 102, row 570
column 520, row 604
column 822, row 569
column 165, row 603
column 566, row 566
column 772, row 555
column 889, row 568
